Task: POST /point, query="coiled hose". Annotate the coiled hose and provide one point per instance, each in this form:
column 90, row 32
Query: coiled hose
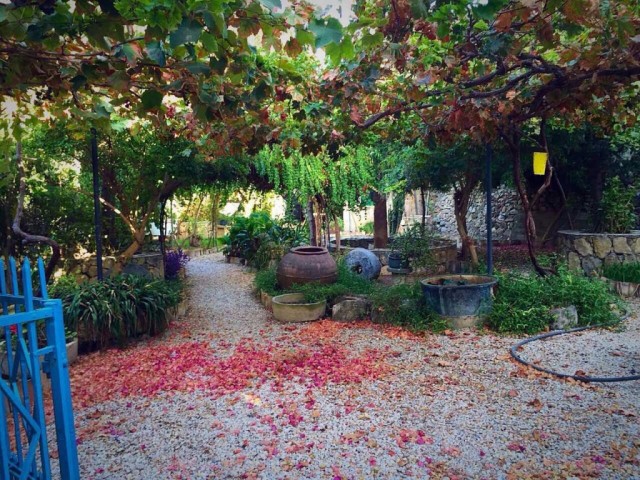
column 555, row 333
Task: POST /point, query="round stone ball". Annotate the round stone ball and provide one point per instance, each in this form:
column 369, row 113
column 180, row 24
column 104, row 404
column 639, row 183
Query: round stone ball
column 364, row 263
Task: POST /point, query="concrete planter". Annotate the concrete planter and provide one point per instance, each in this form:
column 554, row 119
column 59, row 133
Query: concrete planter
column 627, row 289
column 72, row 351
column 292, row 307
column 462, row 299
column 266, row 300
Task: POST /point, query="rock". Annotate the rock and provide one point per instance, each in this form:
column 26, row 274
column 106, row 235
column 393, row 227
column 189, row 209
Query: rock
column 591, row 265
column 635, row 245
column 620, row 245
column 601, row 246
column 583, row 247
column 574, row 261
column 350, row 309
column 564, row 318
column 133, row 269
column 611, row 259
column 364, row 263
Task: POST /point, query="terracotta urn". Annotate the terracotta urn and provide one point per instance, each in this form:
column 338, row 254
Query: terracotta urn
column 305, row 265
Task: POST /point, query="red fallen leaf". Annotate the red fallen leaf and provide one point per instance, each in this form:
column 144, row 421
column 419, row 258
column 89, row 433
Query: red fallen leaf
column 516, row 447
column 442, row 363
column 580, row 373
column 512, row 393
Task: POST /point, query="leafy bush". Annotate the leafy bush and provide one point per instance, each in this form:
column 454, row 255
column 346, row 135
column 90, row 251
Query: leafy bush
column 622, row 272
column 617, row 206
column 175, row 260
column 367, row 228
column 404, row 305
column 414, row 244
column 522, row 302
column 258, row 239
column 116, row 309
column 348, row 283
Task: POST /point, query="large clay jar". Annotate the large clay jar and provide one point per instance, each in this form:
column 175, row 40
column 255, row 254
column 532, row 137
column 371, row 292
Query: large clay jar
column 305, row 265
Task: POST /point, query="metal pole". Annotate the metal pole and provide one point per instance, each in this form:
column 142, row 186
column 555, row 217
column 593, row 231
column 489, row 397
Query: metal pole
column 487, row 182
column 96, row 201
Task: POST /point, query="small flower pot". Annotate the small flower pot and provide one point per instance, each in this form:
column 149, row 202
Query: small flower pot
column 397, row 262
column 292, row 307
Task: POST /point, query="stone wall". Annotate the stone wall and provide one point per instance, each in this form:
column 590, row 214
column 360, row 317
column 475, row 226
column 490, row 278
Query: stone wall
column 590, row 251
column 86, row 269
column 508, row 220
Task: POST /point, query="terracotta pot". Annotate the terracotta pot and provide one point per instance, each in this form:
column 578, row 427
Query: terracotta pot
column 306, row 264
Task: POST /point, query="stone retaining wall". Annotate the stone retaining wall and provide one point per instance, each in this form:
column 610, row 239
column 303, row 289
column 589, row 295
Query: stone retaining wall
column 590, row 251
column 86, row 269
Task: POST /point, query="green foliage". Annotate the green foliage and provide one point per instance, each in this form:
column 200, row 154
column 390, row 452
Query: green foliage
column 367, row 228
column 117, row 309
column 522, row 302
column 340, row 181
column 617, row 207
column 259, row 239
column 348, row 283
column 622, row 272
column 404, row 305
column 415, row 244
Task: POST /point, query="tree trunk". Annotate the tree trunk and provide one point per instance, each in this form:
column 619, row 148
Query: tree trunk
column 138, row 241
column 380, row 230
column 337, row 223
column 513, row 141
column 28, row 238
column 461, row 198
column 163, row 231
column 313, row 241
column 424, row 208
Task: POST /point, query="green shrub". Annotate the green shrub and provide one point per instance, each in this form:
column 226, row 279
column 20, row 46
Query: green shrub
column 415, row 244
column 617, row 206
column 258, row 239
column 117, row 309
column 348, row 283
column 622, row 272
column 522, row 302
column 404, row 305
column 367, row 228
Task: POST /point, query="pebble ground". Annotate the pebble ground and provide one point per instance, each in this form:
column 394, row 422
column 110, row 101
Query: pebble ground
column 340, row 401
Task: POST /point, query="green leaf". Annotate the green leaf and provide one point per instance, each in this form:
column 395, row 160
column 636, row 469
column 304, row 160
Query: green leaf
column 78, row 81
column 341, row 51
column 209, row 42
column 271, row 4
column 216, row 23
column 304, row 37
column 219, row 65
column 156, row 53
column 151, row 99
column 326, row 32
column 119, row 81
column 372, row 41
column 488, row 11
column 188, row 32
column 198, row 68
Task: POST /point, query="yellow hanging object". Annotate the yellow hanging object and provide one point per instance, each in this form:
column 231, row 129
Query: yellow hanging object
column 539, row 162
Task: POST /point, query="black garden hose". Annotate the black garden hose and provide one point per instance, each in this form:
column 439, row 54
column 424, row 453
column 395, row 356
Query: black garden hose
column 581, row 378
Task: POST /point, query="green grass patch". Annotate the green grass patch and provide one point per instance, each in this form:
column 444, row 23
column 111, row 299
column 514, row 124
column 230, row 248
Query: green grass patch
column 622, row 272
column 522, row 302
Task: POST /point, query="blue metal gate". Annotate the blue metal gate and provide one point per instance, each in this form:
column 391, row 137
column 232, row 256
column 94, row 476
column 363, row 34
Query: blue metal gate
column 24, row 451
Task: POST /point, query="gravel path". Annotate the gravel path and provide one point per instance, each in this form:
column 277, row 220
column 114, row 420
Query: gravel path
column 227, row 393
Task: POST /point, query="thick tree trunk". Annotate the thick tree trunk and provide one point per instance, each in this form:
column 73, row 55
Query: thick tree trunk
column 461, row 198
column 27, row 238
column 513, row 141
column 313, row 240
column 380, row 229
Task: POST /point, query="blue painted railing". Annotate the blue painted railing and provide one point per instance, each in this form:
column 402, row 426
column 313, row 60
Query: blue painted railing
column 26, row 364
